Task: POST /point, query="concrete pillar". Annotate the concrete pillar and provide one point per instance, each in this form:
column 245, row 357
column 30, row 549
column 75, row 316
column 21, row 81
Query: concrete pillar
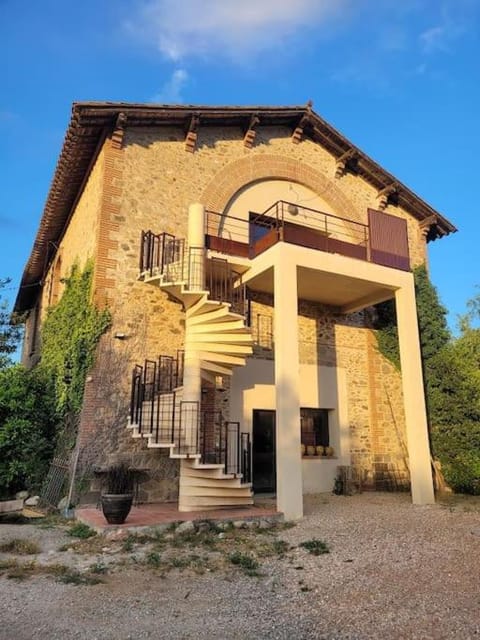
column 413, row 396
column 192, row 381
column 196, row 247
column 287, row 392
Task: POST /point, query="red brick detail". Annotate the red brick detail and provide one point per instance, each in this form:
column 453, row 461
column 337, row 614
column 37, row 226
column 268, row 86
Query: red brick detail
column 108, row 225
column 236, row 175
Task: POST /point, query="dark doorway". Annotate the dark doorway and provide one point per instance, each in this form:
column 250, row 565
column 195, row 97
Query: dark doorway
column 263, row 451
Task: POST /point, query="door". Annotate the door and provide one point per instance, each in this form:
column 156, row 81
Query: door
column 263, row 451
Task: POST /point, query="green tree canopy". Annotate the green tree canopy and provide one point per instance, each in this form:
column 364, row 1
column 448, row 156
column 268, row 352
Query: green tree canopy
column 10, row 333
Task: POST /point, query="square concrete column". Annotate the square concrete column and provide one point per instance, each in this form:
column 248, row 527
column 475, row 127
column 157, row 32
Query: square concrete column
column 287, row 392
column 414, row 396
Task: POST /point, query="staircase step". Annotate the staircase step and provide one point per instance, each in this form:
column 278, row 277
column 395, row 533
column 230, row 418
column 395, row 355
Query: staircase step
column 214, row 474
column 159, row 445
column 215, row 368
column 207, row 465
column 222, row 358
column 232, row 326
column 223, row 338
column 192, row 503
column 204, row 306
column 201, row 481
column 217, row 313
column 215, row 492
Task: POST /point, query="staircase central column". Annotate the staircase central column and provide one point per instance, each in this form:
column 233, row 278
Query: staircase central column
column 287, row 392
column 192, row 380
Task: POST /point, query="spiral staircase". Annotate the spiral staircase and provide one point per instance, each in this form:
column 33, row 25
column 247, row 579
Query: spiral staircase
column 213, row 474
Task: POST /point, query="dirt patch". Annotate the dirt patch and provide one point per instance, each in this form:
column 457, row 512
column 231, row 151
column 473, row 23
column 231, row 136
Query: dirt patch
column 384, row 569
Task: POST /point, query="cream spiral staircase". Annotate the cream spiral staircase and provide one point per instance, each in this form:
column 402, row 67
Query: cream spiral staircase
column 216, row 341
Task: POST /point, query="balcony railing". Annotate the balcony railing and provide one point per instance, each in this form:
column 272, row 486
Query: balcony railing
column 168, row 256
column 383, row 240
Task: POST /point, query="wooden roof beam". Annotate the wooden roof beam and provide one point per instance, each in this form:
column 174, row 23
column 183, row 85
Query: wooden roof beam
column 192, row 133
column 297, row 135
column 250, row 133
column 346, row 161
column 387, row 195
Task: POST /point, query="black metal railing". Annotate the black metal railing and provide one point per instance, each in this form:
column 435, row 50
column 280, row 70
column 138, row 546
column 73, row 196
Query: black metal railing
column 161, row 253
column 222, row 442
column 384, row 240
column 225, row 285
column 158, row 412
column 289, row 222
column 150, row 408
column 166, row 255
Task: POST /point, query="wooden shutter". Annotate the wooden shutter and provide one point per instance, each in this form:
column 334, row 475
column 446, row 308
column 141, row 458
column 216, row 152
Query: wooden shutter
column 388, row 240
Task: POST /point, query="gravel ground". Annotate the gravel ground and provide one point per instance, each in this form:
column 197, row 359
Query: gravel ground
column 394, row 571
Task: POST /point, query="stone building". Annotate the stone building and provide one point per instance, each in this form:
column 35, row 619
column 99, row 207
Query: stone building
column 240, row 251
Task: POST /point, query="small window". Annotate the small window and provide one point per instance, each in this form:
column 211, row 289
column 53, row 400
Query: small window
column 314, row 427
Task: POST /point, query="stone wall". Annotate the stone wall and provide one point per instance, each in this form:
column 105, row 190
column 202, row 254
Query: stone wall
column 375, row 400
column 77, row 245
column 149, row 180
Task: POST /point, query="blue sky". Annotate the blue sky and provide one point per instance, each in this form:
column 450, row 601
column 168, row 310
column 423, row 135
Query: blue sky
column 401, row 79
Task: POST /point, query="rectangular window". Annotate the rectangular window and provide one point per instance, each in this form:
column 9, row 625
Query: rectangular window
column 314, row 427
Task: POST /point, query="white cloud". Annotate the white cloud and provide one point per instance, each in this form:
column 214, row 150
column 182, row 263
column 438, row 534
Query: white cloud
column 171, row 91
column 434, row 39
column 181, row 29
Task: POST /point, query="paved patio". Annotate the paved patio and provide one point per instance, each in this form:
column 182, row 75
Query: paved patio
column 151, row 515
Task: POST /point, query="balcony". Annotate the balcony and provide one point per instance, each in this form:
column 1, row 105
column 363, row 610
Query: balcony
column 382, row 241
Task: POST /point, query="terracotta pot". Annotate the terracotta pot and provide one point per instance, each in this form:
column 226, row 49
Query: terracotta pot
column 116, row 507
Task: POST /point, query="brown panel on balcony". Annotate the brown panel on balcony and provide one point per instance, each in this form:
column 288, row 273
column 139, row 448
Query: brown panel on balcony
column 305, row 237
column 319, row 240
column 388, row 240
column 265, row 242
column 347, row 249
column 225, row 245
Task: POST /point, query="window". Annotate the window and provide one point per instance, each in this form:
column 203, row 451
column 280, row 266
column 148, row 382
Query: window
column 314, row 427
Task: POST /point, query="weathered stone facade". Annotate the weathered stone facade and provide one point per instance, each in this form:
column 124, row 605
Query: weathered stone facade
column 144, row 179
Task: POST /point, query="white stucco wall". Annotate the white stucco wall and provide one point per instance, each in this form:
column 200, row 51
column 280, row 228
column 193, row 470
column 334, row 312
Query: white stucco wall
column 253, row 387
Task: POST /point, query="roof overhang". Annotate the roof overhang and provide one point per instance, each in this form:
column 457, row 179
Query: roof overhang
column 91, row 122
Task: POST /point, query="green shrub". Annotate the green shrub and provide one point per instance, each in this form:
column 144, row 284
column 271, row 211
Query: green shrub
column 458, row 449
column 28, row 424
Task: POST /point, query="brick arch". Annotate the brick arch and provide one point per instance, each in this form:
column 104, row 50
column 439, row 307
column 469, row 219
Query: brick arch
column 236, row 175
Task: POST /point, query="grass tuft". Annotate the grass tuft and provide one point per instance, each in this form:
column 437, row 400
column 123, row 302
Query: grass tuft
column 75, row 577
column 315, row 547
column 81, row 530
column 20, row 546
column 246, row 562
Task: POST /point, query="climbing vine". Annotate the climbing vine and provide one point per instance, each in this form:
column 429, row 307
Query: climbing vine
column 432, row 323
column 70, row 334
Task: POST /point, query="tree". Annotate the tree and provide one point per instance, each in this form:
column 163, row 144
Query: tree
column 10, row 333
column 451, row 369
column 455, row 400
column 28, row 423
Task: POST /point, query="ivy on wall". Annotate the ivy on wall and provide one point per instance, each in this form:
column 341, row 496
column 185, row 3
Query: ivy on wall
column 432, row 323
column 70, row 334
